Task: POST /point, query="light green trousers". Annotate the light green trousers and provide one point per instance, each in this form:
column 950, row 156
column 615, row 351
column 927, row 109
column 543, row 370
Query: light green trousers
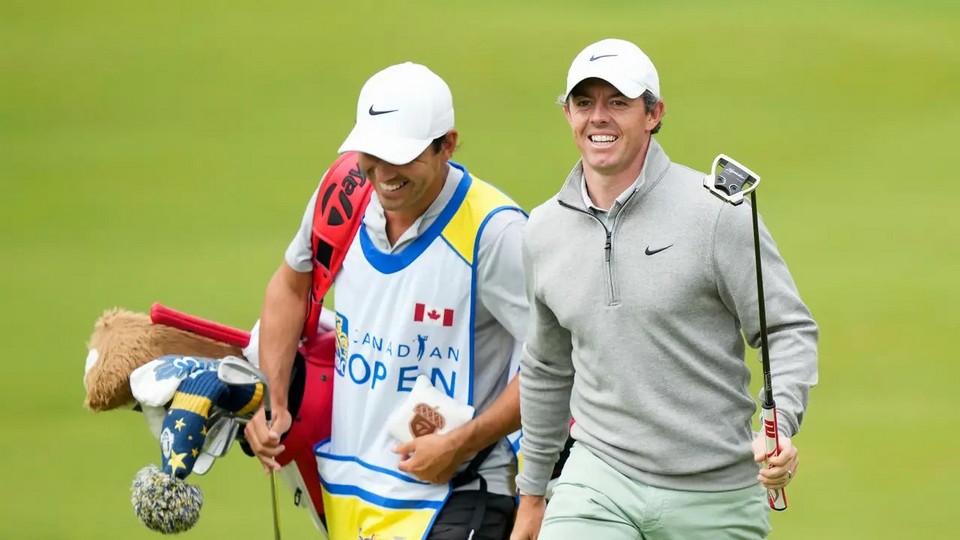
column 592, row 500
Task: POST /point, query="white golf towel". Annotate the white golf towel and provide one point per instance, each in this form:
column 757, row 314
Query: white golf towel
column 427, row 411
column 154, row 387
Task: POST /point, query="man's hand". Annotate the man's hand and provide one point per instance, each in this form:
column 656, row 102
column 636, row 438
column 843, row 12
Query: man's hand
column 529, row 518
column 431, row 458
column 783, row 467
column 264, row 440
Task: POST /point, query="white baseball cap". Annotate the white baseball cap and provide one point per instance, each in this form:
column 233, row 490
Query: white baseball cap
column 401, row 110
column 618, row 62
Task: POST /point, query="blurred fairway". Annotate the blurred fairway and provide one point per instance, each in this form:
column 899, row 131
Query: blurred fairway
column 163, row 151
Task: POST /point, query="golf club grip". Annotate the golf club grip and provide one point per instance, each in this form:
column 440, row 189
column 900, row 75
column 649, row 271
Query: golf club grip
column 161, row 314
column 777, row 498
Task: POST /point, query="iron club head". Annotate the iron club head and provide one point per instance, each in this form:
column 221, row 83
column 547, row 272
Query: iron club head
column 237, row 372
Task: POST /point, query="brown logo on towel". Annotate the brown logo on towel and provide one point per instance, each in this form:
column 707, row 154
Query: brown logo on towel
column 426, row 420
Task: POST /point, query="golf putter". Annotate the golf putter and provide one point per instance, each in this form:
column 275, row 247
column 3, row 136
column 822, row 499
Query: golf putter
column 731, row 184
column 236, row 371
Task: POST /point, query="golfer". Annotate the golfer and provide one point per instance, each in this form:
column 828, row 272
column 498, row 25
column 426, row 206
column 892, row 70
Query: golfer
column 643, row 293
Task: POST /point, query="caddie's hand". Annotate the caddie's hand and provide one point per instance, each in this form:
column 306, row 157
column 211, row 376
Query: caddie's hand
column 264, row 440
column 431, row 458
column 782, row 467
column 529, row 518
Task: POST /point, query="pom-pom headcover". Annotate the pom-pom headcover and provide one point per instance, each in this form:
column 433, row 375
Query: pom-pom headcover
column 165, row 503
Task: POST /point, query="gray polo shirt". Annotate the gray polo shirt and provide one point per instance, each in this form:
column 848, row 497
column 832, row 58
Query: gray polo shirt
column 500, row 291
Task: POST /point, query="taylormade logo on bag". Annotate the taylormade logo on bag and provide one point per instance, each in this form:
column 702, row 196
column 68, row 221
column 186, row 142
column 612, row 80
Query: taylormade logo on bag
column 433, row 315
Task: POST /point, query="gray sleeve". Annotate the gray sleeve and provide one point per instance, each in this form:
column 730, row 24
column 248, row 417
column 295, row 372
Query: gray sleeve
column 299, row 254
column 500, row 269
column 792, row 333
column 546, row 379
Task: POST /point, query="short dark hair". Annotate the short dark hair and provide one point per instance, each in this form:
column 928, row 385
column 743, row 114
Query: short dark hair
column 649, row 102
column 437, row 144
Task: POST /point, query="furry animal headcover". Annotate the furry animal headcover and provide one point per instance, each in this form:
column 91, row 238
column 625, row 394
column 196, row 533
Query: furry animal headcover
column 122, row 341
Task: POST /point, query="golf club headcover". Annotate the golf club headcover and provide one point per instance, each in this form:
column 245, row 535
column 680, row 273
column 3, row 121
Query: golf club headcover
column 164, row 503
column 184, row 427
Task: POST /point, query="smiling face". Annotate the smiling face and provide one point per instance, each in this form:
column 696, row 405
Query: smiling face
column 611, row 130
column 409, row 189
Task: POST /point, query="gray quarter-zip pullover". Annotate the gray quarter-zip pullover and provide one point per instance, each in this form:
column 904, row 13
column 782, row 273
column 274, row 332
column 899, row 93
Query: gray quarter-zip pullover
column 637, row 330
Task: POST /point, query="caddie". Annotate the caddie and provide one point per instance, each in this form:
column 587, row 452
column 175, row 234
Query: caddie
column 430, row 293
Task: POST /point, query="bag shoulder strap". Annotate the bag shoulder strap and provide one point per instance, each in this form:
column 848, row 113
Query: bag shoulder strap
column 341, row 201
column 472, row 472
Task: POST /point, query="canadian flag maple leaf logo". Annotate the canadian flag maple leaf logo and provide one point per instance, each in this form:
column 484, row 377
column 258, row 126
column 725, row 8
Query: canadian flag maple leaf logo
column 433, row 315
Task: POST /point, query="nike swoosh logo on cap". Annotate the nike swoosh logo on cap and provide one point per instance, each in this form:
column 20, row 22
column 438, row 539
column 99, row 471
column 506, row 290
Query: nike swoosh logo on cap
column 375, row 113
column 592, row 58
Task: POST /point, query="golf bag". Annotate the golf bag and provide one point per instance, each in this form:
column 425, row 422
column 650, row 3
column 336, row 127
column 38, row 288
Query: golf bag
column 341, row 201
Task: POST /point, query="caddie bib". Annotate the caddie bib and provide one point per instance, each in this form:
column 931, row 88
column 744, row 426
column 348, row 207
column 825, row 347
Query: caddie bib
column 400, row 316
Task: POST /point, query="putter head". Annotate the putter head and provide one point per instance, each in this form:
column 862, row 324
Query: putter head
column 732, row 182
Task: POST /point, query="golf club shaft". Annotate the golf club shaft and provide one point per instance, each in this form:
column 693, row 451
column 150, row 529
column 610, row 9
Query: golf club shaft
column 276, row 505
column 776, row 497
column 275, row 501
column 235, row 371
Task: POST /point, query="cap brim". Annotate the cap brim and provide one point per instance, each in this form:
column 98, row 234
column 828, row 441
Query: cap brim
column 389, row 148
column 626, row 86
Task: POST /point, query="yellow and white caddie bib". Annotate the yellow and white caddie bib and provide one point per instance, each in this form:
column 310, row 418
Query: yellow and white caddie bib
column 400, row 316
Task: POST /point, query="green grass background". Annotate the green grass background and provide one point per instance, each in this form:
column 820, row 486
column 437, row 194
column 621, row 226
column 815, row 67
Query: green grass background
column 163, row 151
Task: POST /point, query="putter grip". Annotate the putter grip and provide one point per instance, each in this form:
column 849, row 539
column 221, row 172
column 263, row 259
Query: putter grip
column 161, row 314
column 777, row 498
